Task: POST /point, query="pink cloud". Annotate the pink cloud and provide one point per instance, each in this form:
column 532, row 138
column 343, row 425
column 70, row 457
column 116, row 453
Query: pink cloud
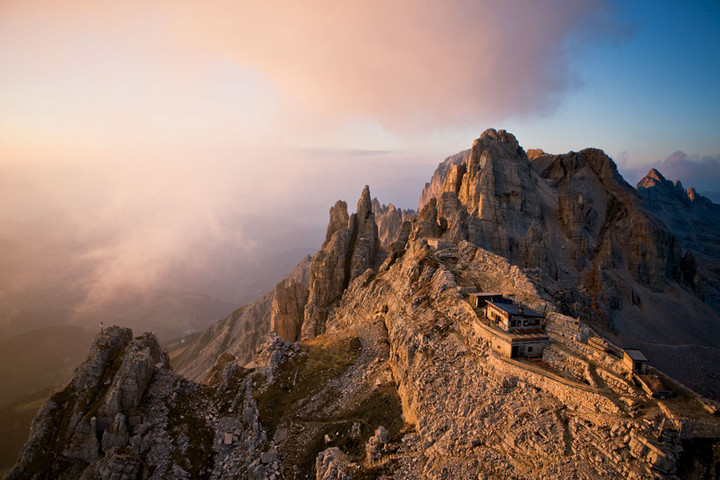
column 405, row 63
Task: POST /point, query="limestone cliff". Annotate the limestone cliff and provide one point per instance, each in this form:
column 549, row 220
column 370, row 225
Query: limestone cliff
column 582, row 231
column 434, row 187
column 288, row 306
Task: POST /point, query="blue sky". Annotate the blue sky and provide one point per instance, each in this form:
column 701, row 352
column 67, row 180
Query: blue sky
column 653, row 91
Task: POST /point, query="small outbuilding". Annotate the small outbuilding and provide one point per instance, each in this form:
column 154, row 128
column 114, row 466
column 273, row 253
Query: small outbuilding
column 635, row 361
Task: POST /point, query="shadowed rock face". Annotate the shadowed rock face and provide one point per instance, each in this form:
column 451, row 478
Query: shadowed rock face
column 88, row 418
column 607, row 230
column 694, row 220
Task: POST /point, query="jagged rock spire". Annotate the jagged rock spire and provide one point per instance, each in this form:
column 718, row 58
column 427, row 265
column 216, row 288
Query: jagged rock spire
column 347, row 252
column 364, row 205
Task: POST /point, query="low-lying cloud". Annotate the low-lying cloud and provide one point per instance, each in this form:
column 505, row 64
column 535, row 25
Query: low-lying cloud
column 168, row 246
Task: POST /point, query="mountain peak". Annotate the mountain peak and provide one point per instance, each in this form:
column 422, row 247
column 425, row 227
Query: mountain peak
column 364, row 206
column 502, row 136
column 652, row 179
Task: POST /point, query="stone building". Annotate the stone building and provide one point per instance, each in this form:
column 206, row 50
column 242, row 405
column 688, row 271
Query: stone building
column 512, row 317
column 513, row 330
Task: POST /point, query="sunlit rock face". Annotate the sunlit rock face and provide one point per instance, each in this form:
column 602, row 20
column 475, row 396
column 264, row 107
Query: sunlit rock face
column 572, row 216
column 346, row 253
column 436, row 185
column 290, row 296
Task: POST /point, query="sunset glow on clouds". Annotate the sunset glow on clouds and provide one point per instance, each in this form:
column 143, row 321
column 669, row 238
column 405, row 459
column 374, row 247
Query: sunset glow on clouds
column 165, row 122
column 285, row 73
column 81, row 76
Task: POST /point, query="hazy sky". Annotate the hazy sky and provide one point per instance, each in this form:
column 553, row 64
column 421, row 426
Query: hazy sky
column 113, row 86
column 148, row 129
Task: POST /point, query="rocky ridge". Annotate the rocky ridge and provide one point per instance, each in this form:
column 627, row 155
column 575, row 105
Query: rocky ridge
column 351, row 246
column 393, row 224
column 400, row 385
column 392, row 376
column 240, row 333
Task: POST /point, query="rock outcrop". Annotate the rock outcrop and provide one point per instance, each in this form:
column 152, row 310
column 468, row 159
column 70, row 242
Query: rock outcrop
column 346, row 253
column 89, row 417
column 240, row 333
column 393, row 225
column 331, row 464
column 166, row 428
column 435, row 187
column 300, row 304
column 288, row 306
